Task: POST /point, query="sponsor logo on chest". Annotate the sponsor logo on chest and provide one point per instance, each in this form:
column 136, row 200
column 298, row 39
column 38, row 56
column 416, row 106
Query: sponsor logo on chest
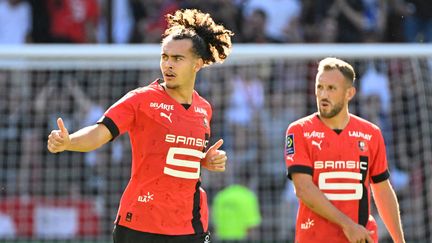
column 201, row 110
column 171, row 138
column 358, row 134
column 314, row 134
column 161, row 106
column 340, row 164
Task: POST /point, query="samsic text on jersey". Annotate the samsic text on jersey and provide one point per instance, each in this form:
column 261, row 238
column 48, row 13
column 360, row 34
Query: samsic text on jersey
column 168, row 142
column 342, row 166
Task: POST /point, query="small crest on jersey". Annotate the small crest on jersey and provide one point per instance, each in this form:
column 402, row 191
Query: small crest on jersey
column 289, row 144
column 205, row 122
column 128, row 216
column 362, row 146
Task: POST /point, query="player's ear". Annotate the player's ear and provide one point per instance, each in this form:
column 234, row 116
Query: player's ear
column 198, row 64
column 351, row 91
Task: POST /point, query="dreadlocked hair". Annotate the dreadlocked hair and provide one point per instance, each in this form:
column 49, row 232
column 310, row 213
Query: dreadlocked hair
column 211, row 42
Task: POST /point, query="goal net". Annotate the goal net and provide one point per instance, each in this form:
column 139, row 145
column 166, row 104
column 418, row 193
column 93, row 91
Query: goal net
column 255, row 95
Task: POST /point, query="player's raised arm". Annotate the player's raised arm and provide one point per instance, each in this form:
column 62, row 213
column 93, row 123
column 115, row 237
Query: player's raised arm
column 84, row 140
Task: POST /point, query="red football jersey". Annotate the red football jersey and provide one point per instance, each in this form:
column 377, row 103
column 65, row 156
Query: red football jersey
column 342, row 166
column 168, row 142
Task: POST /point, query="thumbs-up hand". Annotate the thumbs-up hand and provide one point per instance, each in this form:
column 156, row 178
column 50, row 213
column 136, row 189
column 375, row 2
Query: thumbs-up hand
column 215, row 159
column 58, row 140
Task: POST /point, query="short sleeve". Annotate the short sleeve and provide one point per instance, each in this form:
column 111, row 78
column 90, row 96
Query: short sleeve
column 379, row 169
column 120, row 117
column 210, row 115
column 297, row 158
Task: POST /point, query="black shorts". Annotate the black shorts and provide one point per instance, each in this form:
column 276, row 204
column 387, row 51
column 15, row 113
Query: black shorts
column 122, row 234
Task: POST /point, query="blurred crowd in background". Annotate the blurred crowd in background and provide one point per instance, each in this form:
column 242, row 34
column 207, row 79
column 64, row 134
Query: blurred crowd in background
column 253, row 21
column 253, row 105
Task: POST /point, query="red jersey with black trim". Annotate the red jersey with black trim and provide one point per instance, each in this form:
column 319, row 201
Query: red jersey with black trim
column 168, row 142
column 342, row 166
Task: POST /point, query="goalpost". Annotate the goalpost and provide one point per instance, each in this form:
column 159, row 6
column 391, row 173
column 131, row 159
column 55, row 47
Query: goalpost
column 255, row 94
